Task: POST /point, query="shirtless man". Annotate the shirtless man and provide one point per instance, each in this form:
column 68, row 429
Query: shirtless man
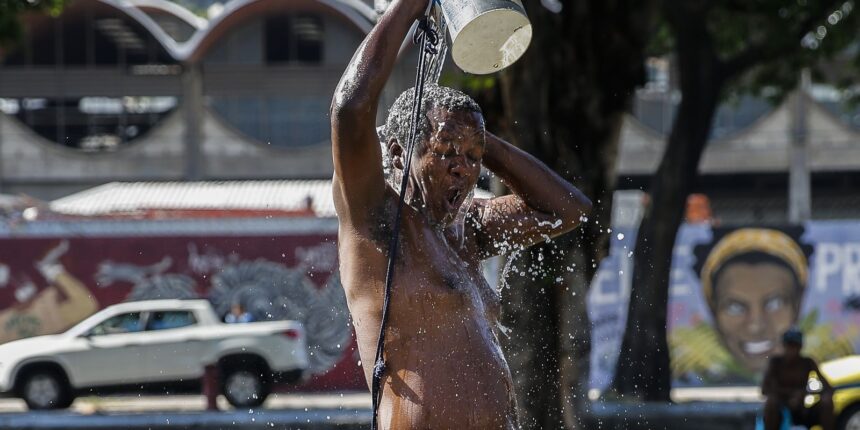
column 785, row 383
column 444, row 367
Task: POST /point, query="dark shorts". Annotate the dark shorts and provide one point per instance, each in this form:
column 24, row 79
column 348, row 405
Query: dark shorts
column 807, row 416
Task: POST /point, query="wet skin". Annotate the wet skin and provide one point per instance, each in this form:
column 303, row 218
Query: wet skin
column 755, row 304
column 445, row 369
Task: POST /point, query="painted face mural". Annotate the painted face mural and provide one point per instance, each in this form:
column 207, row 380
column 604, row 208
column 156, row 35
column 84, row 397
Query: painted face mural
column 753, row 280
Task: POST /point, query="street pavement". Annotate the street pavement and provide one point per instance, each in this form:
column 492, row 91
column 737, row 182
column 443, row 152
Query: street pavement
column 342, row 411
column 726, row 408
column 302, row 401
column 189, row 403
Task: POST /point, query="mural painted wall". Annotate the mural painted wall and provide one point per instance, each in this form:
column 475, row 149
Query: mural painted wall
column 47, row 284
column 733, row 292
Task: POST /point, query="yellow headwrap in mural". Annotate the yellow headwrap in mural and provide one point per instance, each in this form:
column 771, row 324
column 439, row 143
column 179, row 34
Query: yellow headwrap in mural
column 742, row 241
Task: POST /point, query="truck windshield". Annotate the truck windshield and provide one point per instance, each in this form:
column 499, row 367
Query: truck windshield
column 122, row 323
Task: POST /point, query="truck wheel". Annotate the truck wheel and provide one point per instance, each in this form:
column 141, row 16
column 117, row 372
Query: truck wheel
column 245, row 387
column 46, row 390
column 850, row 419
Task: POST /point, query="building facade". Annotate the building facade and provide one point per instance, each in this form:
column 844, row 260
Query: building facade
column 116, row 90
column 145, row 90
column 746, row 167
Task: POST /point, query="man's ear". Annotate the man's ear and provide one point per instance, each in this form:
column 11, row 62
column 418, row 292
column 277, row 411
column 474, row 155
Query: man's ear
column 395, row 153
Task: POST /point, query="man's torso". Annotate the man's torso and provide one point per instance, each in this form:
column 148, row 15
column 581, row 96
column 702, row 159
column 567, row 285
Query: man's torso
column 444, row 366
column 792, row 374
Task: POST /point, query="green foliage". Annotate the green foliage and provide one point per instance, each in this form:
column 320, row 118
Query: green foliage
column 815, row 33
column 823, row 342
column 662, row 42
column 471, row 84
column 765, row 43
column 10, row 15
column 698, row 352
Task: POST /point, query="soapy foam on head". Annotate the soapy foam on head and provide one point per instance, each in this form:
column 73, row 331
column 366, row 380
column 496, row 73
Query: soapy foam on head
column 400, row 113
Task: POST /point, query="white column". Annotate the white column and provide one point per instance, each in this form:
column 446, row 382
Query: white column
column 799, row 194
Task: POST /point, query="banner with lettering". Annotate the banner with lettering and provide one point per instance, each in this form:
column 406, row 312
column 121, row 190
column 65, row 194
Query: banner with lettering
column 733, row 291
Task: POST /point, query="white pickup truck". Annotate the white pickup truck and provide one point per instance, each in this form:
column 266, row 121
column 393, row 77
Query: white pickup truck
column 157, row 345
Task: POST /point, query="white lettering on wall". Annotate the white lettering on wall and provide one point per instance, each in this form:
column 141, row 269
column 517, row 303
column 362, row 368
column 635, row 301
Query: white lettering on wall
column 828, row 260
column 838, row 264
column 851, row 270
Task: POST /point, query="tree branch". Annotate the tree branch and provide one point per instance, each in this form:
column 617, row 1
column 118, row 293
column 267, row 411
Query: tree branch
column 740, row 6
column 760, row 51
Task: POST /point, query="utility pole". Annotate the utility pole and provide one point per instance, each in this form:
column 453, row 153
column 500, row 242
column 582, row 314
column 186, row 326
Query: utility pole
column 799, row 194
column 192, row 100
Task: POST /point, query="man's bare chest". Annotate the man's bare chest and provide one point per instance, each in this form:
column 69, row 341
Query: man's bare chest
column 436, row 273
column 433, row 269
column 793, row 374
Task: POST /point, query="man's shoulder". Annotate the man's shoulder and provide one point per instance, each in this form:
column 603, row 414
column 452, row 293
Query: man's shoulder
column 358, row 205
column 810, row 362
column 775, row 360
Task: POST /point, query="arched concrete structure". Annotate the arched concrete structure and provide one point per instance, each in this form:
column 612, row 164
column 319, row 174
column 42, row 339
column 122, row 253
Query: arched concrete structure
column 170, row 8
column 39, row 22
column 175, row 20
column 237, row 12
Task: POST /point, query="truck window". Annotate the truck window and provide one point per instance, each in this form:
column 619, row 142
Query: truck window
column 165, row 320
column 117, row 324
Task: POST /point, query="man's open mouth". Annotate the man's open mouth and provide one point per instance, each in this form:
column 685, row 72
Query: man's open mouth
column 452, row 197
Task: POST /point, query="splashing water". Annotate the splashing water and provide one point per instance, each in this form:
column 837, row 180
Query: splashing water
column 554, row 224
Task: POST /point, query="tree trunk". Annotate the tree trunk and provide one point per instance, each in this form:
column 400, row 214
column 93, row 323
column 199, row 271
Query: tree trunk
column 643, row 371
column 549, row 343
column 564, row 103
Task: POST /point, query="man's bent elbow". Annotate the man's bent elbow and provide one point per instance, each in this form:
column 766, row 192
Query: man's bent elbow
column 571, row 215
column 579, row 208
column 585, row 206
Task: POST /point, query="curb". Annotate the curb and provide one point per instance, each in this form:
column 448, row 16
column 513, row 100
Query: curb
column 673, row 416
column 315, row 419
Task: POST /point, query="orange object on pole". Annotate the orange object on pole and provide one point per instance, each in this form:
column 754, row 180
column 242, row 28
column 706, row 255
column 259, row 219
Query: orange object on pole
column 698, row 209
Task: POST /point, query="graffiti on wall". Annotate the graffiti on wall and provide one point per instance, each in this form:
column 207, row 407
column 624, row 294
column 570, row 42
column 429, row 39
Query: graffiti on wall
column 48, row 285
column 48, row 301
column 733, row 292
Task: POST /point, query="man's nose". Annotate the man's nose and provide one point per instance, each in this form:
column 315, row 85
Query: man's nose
column 457, row 166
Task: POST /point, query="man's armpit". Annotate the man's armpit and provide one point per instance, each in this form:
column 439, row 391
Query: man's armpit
column 493, row 224
column 381, row 226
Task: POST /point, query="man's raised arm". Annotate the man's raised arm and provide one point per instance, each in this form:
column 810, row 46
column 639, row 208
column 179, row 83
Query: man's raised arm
column 543, row 205
column 358, row 183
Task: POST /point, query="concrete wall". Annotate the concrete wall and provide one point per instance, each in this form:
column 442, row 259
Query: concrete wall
column 31, row 165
